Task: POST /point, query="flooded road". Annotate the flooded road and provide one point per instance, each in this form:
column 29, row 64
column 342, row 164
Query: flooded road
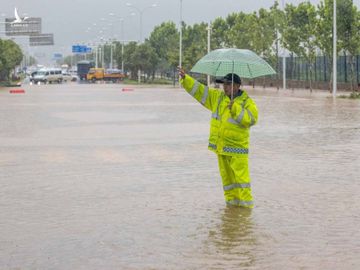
column 92, row 177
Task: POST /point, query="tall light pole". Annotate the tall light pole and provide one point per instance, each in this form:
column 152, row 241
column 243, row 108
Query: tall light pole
column 111, row 24
column 284, row 57
column 140, row 11
column 208, row 47
column 122, row 21
column 122, row 44
column 180, row 40
column 96, row 56
column 334, row 51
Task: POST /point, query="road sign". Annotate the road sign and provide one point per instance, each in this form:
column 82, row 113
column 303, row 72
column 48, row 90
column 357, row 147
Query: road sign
column 81, row 49
column 41, row 40
column 57, row 56
column 27, row 27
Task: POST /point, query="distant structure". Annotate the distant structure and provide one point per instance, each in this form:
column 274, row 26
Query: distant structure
column 17, row 18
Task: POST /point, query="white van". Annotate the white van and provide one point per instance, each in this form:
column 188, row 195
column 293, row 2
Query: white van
column 48, row 76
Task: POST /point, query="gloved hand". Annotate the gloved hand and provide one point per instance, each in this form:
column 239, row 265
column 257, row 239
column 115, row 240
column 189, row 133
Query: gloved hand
column 234, row 108
column 181, row 72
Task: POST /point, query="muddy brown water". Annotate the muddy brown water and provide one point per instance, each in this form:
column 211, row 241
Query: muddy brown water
column 92, row 177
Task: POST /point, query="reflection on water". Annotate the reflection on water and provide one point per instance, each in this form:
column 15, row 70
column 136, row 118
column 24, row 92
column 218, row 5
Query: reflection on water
column 234, row 239
column 92, row 177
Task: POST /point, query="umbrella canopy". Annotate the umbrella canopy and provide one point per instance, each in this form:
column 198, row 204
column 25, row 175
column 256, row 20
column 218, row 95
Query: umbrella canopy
column 244, row 63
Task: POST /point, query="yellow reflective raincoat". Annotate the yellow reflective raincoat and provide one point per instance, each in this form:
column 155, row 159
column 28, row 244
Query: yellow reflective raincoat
column 229, row 137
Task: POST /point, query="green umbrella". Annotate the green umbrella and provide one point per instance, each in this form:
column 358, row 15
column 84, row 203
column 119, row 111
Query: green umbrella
column 244, row 63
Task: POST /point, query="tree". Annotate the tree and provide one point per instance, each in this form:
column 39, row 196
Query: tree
column 277, row 17
column 240, row 28
column 349, row 33
column 10, row 57
column 145, row 59
column 264, row 34
column 195, row 43
column 298, row 34
column 129, row 59
column 164, row 39
column 218, row 29
column 324, row 32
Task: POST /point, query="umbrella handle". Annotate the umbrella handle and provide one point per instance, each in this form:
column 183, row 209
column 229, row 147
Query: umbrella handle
column 232, row 84
column 232, row 81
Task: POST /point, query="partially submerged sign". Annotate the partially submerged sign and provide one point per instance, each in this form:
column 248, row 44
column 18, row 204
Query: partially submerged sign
column 41, row 40
column 27, row 27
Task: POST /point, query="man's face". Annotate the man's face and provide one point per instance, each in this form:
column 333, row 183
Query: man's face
column 228, row 87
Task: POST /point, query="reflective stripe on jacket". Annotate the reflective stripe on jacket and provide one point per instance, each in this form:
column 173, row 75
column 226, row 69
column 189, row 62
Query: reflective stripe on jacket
column 229, row 130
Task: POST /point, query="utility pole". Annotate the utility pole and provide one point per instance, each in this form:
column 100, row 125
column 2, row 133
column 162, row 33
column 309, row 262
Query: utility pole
column 96, row 56
column 180, row 43
column 334, row 52
column 208, row 47
column 111, row 54
column 284, row 56
column 122, row 56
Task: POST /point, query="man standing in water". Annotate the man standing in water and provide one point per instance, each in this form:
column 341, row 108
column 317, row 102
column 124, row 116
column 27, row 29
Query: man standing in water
column 233, row 113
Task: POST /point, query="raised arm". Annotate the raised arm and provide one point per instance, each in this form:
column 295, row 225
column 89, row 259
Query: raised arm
column 208, row 97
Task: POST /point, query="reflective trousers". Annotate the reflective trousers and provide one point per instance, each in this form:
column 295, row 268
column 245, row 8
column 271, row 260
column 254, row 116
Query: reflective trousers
column 234, row 171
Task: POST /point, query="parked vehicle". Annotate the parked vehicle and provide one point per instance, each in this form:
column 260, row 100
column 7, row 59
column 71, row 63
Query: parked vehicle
column 74, row 77
column 83, row 68
column 48, row 76
column 32, row 75
column 66, row 77
column 114, row 75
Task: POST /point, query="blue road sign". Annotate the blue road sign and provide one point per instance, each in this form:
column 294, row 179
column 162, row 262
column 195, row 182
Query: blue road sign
column 81, row 49
column 75, row 48
column 57, row 56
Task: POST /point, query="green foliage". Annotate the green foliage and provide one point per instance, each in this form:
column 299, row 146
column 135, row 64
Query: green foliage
column 219, row 28
column 348, row 26
column 298, row 32
column 324, row 27
column 195, row 44
column 353, row 95
column 165, row 41
column 304, row 29
column 10, row 57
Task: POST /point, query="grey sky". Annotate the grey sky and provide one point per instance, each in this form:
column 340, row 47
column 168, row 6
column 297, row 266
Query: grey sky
column 69, row 19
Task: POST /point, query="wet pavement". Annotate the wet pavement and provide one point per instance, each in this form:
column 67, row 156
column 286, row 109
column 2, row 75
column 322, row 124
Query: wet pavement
column 93, row 177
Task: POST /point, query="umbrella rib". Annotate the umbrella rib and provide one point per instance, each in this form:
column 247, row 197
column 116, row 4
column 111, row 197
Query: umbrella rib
column 216, row 70
column 250, row 71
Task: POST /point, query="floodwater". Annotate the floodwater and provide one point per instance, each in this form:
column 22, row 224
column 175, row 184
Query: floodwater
column 93, row 177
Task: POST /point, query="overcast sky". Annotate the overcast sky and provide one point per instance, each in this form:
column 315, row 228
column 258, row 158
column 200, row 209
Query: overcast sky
column 69, row 20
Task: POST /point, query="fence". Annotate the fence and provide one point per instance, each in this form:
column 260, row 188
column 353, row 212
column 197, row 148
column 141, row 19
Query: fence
column 298, row 73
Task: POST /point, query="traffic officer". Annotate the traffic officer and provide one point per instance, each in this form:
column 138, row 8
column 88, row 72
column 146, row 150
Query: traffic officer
column 233, row 113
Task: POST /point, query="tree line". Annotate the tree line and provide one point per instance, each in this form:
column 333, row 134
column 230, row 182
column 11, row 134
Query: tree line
column 304, row 30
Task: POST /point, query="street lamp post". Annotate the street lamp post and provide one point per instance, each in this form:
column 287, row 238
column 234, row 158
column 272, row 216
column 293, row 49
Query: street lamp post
column 208, row 47
column 334, row 51
column 180, row 42
column 284, row 57
column 96, row 56
column 122, row 44
column 140, row 11
column 111, row 54
column 122, row 38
